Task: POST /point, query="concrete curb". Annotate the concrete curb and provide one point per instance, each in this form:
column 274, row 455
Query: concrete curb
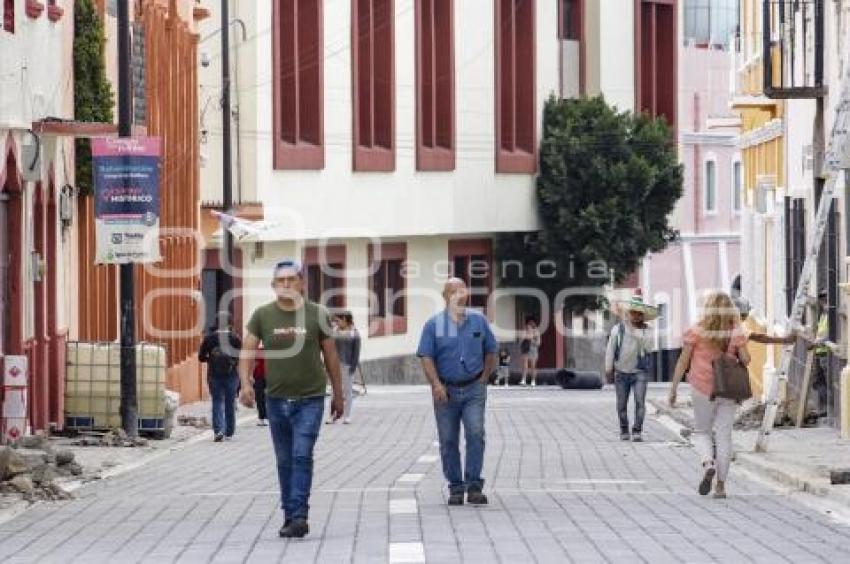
column 776, row 474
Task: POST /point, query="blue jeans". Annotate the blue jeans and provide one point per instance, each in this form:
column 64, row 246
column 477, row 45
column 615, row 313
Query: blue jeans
column 223, row 393
column 295, row 427
column 624, row 383
column 464, row 405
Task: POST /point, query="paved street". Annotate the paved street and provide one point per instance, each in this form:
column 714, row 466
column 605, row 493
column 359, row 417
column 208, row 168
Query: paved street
column 562, row 487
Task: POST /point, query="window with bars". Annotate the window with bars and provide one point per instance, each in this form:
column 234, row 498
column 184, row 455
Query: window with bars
column 515, row 86
column 325, row 275
column 795, row 246
column 656, row 48
column 298, row 70
column 388, row 289
column 435, row 104
column 373, row 85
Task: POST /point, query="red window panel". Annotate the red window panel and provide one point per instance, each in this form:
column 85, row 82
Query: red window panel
column 325, row 273
column 471, row 260
column 298, row 77
column 54, row 12
column 373, row 84
column 515, row 87
column 387, row 289
column 656, row 58
column 570, row 19
column 435, row 85
column 9, row 16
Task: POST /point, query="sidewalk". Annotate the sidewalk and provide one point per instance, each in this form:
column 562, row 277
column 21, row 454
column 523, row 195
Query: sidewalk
column 100, row 462
column 800, row 459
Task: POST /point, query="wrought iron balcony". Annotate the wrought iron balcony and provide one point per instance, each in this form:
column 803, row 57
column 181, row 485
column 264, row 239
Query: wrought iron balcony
column 793, row 48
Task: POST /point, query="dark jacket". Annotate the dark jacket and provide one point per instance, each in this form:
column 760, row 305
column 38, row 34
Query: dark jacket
column 222, row 361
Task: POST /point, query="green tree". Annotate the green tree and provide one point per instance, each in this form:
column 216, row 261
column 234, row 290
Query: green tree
column 608, row 182
column 93, row 97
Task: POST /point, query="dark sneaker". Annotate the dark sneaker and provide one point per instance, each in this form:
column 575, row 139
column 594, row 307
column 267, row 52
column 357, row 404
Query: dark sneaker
column 637, row 437
column 297, row 529
column 456, row 499
column 475, row 497
column 708, row 477
column 625, row 436
column 286, row 523
column 218, row 437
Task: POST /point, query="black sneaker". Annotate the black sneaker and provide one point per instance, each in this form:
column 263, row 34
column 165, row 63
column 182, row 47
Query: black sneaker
column 218, row 437
column 476, row 497
column 708, row 477
column 286, row 523
column 456, row 499
column 296, row 529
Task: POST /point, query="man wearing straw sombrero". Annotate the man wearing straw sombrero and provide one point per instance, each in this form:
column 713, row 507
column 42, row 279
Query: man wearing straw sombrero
column 627, row 362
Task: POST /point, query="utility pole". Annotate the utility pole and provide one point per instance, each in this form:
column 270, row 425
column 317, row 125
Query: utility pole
column 227, row 170
column 129, row 407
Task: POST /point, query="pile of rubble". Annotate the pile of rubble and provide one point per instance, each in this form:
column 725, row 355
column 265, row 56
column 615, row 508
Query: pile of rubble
column 113, row 438
column 198, row 422
column 751, row 416
column 30, row 468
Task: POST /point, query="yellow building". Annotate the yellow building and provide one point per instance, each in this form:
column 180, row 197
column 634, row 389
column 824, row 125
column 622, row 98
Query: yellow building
column 763, row 155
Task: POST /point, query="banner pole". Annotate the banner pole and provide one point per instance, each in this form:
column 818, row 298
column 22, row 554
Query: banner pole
column 129, row 406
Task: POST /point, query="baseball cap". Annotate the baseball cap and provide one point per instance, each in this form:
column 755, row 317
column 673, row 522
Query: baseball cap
column 287, row 267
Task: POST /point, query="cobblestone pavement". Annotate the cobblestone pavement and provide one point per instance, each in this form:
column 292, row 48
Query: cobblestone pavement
column 562, row 488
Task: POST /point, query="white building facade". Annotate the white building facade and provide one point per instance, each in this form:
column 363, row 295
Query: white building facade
column 401, row 136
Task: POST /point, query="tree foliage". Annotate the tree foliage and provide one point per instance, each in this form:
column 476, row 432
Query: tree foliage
column 608, row 183
column 93, row 98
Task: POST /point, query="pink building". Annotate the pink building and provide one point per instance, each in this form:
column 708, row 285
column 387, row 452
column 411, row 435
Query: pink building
column 706, row 256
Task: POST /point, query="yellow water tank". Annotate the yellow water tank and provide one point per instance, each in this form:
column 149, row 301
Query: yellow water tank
column 93, row 386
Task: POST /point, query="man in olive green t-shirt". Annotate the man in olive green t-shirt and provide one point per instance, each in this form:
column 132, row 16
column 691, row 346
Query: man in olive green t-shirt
column 298, row 350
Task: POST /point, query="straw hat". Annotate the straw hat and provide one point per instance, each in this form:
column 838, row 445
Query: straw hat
column 636, row 303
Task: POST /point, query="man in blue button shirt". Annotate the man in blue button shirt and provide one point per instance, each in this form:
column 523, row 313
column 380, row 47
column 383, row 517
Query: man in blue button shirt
column 458, row 353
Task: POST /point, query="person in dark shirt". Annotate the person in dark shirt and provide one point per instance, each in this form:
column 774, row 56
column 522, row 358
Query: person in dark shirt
column 220, row 351
column 348, row 348
column 504, row 372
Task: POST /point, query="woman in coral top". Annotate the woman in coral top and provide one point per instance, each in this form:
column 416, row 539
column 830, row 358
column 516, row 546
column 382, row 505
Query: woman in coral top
column 718, row 331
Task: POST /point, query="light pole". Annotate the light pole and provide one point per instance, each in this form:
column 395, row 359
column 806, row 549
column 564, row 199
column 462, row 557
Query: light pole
column 227, row 164
column 129, row 408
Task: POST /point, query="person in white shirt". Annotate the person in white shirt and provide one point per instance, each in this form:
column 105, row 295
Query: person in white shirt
column 627, row 363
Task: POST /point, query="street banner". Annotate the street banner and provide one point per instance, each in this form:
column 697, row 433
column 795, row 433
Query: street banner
column 126, row 207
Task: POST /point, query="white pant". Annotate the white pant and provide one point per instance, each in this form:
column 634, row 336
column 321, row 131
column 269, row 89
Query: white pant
column 347, row 388
column 714, row 417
